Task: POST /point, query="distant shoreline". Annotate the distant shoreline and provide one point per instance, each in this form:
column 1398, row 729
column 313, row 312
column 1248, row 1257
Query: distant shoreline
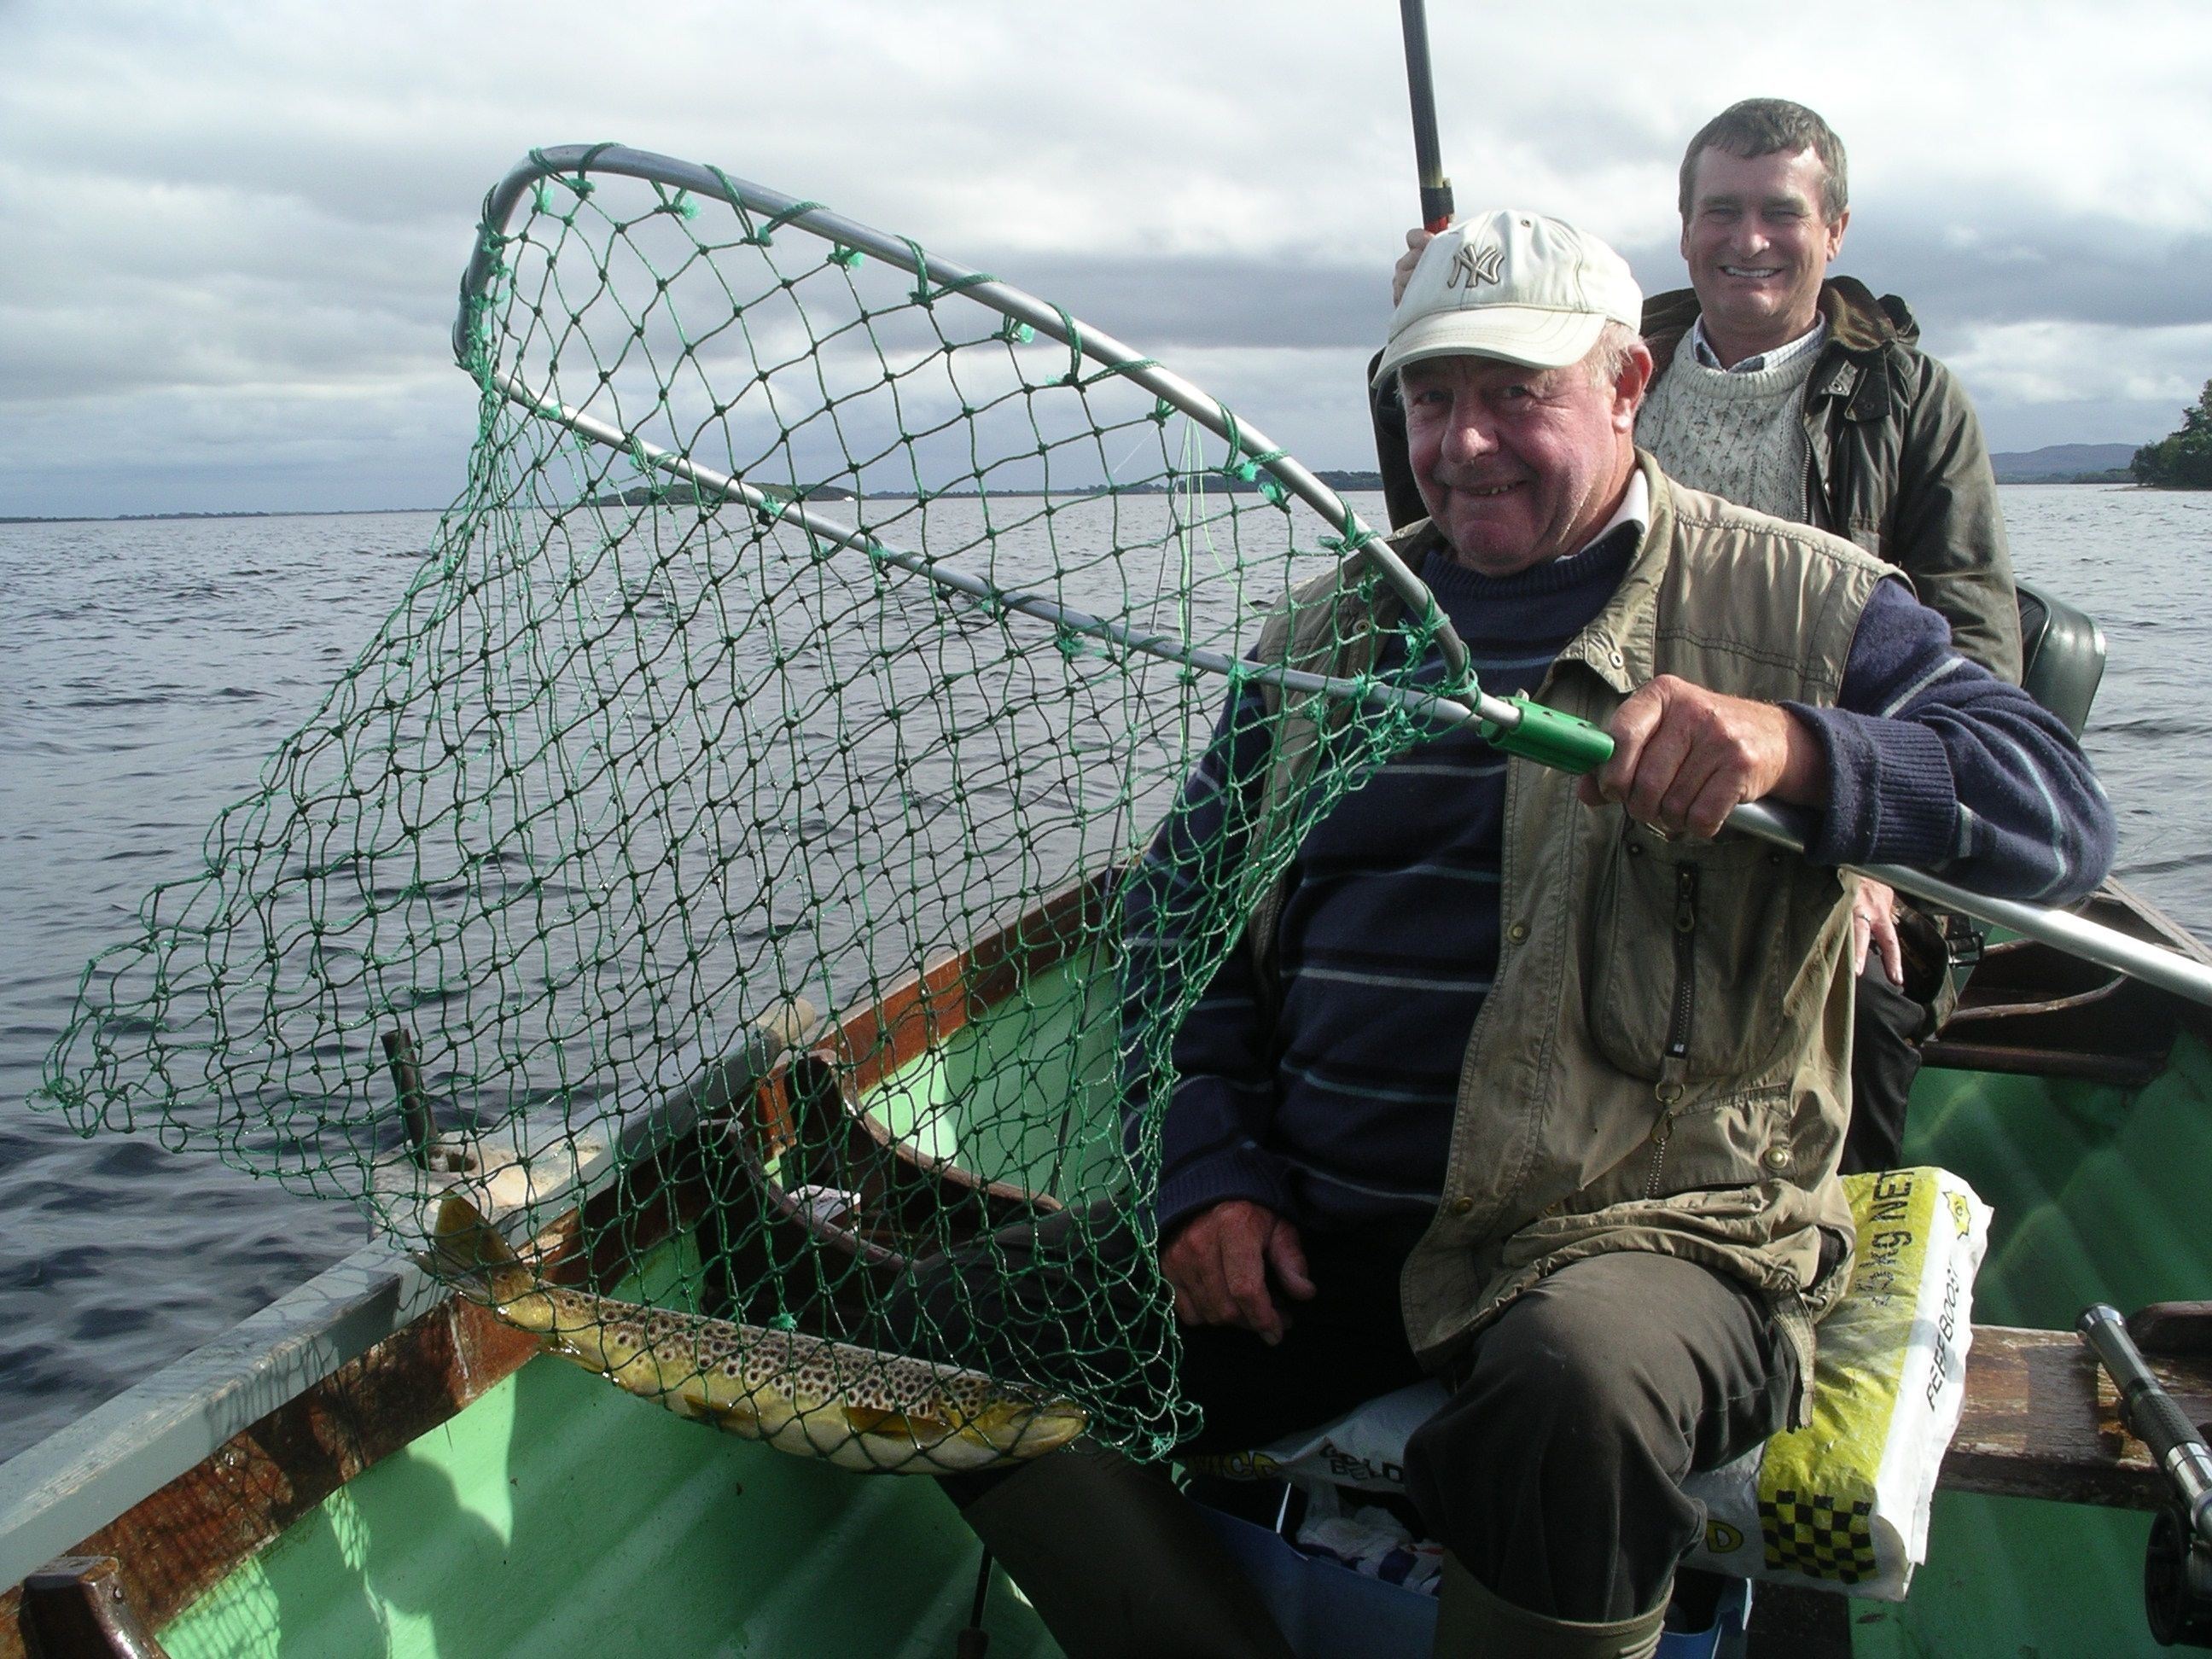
column 1336, row 479
column 167, row 518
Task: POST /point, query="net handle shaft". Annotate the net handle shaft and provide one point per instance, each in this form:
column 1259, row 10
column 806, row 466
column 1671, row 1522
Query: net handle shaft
column 2139, row 959
column 1574, row 745
column 1420, row 83
column 943, row 276
column 1518, row 725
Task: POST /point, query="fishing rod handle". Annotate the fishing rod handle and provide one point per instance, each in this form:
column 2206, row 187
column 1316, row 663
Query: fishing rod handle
column 1420, row 85
column 2151, row 1414
column 1437, row 208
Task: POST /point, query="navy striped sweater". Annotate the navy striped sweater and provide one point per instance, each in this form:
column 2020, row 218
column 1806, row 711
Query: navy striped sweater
column 1337, row 1110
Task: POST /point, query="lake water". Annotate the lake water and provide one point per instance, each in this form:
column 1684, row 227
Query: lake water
column 153, row 666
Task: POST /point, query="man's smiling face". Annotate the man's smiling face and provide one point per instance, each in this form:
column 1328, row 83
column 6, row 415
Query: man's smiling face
column 1519, row 465
column 1757, row 245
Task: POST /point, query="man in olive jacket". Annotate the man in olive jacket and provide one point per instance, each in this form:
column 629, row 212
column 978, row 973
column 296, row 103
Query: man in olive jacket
column 1886, row 450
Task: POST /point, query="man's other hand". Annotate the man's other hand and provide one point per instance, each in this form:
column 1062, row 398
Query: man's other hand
column 1683, row 757
column 1873, row 923
column 1220, row 1261
column 1402, row 273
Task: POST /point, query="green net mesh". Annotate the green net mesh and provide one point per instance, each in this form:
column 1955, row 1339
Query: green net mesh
column 736, row 910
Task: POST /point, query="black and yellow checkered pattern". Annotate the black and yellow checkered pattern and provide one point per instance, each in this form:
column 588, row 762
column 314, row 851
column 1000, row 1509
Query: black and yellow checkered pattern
column 1818, row 1536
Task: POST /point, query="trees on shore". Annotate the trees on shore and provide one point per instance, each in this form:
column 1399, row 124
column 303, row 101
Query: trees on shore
column 2182, row 460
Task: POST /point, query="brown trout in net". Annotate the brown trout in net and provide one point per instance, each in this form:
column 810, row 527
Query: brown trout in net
column 860, row 1409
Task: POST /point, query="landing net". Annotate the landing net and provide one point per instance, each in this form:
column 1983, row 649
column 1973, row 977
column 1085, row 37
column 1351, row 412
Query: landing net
column 733, row 822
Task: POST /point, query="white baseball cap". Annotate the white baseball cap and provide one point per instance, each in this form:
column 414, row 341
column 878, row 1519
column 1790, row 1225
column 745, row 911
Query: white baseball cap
column 1510, row 285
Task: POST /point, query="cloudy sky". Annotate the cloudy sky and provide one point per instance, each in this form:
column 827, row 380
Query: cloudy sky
column 230, row 232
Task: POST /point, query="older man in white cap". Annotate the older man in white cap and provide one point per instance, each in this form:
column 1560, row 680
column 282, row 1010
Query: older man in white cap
column 1535, row 1085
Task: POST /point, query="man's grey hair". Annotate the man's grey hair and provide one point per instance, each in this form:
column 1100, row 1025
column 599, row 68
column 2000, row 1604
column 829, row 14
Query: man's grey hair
column 1771, row 126
column 1606, row 360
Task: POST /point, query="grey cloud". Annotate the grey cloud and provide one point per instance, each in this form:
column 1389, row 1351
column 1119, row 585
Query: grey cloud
column 2036, row 266
column 277, row 200
column 1171, row 300
column 241, row 333
column 2075, row 269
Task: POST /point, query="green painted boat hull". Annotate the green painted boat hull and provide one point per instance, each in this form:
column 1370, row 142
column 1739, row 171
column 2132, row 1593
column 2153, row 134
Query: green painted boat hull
column 557, row 1515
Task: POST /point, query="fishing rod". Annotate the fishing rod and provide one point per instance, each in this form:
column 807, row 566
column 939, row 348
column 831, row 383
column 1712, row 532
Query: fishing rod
column 2177, row 1562
column 1516, row 724
column 1436, row 188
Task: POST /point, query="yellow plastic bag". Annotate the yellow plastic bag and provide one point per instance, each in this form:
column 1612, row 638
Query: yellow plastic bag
column 1844, row 1503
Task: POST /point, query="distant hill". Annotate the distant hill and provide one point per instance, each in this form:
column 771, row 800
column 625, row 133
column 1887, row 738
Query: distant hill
column 2064, row 464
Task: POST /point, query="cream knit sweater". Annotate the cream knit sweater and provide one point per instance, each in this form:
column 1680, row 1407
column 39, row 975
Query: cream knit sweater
column 1741, row 436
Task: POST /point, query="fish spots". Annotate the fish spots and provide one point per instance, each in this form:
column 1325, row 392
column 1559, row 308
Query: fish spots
column 860, row 1409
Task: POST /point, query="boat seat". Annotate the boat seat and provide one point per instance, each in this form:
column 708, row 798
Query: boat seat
column 2061, row 655
column 1845, row 1504
column 2041, row 1421
column 1844, row 1501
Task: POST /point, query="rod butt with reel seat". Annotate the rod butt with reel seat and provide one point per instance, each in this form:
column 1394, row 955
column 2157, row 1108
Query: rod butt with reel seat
column 1420, row 83
column 2178, row 1560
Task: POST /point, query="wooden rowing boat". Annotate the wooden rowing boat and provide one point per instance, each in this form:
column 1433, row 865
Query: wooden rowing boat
column 371, row 1466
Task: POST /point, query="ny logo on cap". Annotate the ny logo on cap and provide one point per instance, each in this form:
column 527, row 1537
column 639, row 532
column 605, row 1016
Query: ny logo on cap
column 1476, row 265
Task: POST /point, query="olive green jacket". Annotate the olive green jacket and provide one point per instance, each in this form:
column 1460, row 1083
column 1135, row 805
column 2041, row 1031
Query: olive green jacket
column 1898, row 461
column 1663, row 1062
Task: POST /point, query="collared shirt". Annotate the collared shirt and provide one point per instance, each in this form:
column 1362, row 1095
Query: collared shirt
column 1635, row 505
column 1807, row 342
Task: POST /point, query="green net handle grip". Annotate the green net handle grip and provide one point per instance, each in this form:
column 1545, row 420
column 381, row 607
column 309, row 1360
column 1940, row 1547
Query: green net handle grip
column 1565, row 743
